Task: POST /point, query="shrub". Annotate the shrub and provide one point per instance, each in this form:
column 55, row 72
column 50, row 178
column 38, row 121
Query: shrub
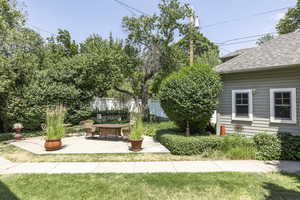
column 6, row 136
column 239, row 147
column 150, row 129
column 282, row 146
column 191, row 95
column 181, row 145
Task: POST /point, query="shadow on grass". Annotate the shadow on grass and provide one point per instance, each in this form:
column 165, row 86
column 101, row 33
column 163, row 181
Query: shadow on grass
column 277, row 192
column 6, row 193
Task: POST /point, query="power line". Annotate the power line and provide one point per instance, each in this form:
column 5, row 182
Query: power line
column 128, row 7
column 247, row 37
column 241, row 42
column 242, row 18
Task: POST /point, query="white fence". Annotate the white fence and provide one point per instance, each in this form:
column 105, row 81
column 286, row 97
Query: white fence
column 102, row 104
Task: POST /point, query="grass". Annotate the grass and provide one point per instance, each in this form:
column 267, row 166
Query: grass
column 16, row 154
column 206, row 186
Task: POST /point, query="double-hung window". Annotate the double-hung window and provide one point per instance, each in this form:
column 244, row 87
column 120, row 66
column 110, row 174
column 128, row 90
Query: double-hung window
column 242, row 108
column 283, row 105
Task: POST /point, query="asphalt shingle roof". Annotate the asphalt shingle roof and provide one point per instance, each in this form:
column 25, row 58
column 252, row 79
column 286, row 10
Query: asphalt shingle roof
column 279, row 52
column 235, row 53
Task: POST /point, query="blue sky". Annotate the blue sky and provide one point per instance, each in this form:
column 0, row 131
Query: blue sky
column 84, row 17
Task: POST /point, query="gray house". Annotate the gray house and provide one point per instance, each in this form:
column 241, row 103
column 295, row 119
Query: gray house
column 261, row 91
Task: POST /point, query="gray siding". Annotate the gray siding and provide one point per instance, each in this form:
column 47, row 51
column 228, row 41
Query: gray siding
column 262, row 81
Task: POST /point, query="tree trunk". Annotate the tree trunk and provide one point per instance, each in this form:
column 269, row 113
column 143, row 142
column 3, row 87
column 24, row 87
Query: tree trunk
column 188, row 132
column 145, row 106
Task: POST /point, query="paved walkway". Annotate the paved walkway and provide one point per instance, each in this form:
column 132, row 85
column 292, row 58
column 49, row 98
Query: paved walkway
column 7, row 167
column 81, row 145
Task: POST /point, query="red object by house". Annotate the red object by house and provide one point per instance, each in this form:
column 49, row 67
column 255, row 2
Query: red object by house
column 222, row 130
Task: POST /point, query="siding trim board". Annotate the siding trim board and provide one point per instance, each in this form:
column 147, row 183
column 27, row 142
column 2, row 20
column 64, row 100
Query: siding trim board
column 260, row 83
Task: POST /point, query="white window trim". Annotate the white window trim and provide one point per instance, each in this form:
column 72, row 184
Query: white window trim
column 250, row 108
column 293, row 108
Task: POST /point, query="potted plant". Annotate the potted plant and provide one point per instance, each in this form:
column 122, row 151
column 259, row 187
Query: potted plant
column 18, row 128
column 55, row 129
column 136, row 135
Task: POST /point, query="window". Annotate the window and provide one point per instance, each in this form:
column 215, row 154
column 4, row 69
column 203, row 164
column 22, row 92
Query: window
column 242, row 109
column 283, row 105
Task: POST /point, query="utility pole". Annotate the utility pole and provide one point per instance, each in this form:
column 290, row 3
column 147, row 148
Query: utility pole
column 194, row 23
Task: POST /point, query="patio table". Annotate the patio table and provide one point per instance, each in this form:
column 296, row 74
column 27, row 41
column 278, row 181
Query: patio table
column 110, row 129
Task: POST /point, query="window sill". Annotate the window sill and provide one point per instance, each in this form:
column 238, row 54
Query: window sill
column 242, row 119
column 278, row 121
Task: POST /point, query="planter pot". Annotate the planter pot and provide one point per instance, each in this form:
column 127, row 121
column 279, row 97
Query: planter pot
column 52, row 145
column 18, row 135
column 136, row 145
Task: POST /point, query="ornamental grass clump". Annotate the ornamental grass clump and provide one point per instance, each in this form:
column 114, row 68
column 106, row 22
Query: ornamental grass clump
column 55, row 123
column 137, row 131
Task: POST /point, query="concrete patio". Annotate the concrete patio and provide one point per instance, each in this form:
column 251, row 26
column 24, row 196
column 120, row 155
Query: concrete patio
column 81, row 145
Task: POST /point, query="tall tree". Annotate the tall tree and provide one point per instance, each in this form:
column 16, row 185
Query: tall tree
column 264, row 39
column 291, row 21
column 152, row 39
column 202, row 45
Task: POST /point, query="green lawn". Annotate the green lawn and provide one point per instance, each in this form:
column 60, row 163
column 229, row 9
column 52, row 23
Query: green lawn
column 211, row 186
column 16, row 154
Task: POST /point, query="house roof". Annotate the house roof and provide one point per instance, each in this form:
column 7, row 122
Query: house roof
column 234, row 54
column 282, row 51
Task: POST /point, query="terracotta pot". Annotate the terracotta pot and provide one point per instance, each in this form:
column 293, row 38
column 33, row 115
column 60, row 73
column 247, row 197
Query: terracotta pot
column 52, row 145
column 18, row 135
column 136, row 145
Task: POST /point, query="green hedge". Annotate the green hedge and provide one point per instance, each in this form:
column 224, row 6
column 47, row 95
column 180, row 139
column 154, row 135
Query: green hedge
column 282, row 146
column 181, row 145
column 6, row 136
column 11, row 136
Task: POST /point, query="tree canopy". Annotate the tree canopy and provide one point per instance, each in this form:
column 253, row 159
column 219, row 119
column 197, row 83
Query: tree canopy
column 291, row 21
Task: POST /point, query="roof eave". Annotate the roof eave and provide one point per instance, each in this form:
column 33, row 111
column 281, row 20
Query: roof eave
column 258, row 69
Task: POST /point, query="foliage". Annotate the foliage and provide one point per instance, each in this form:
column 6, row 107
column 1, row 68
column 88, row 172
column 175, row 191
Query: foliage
column 55, row 123
column 291, row 21
column 181, row 145
column 151, row 40
column 191, row 96
column 282, row 146
column 150, row 129
column 137, row 131
column 73, row 81
column 6, row 136
column 264, row 39
column 11, row 21
column 239, row 147
column 203, row 47
column 210, row 58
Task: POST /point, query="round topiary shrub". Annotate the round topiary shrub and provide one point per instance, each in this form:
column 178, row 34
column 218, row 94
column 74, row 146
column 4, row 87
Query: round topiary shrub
column 190, row 96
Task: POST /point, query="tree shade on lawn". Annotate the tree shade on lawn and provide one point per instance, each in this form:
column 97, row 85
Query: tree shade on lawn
column 208, row 186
